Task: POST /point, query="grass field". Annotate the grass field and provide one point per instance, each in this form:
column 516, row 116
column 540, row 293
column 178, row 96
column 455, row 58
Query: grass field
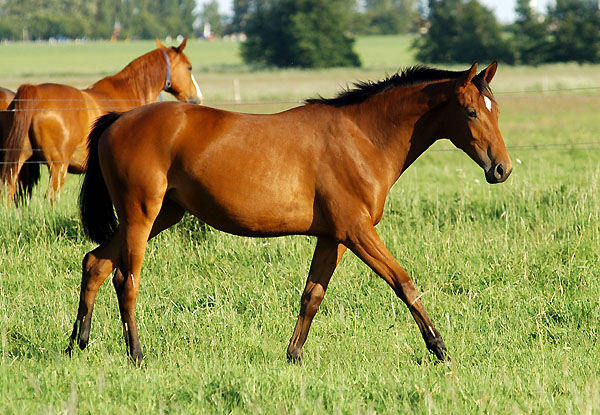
column 509, row 273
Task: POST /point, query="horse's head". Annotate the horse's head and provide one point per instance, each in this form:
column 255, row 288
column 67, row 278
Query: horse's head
column 474, row 124
column 180, row 82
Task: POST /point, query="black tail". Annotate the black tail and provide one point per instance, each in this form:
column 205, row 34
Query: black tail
column 95, row 205
column 29, row 176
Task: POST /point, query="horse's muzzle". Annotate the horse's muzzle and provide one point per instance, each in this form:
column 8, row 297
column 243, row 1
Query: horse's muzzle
column 498, row 173
column 195, row 100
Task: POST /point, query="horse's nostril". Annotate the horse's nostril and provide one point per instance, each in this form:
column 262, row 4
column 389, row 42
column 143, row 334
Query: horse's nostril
column 499, row 171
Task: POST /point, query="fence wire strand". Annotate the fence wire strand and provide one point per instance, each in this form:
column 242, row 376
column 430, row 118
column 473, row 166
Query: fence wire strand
column 512, row 94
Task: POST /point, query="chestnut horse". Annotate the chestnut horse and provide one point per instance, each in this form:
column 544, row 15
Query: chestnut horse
column 321, row 169
column 6, row 96
column 52, row 121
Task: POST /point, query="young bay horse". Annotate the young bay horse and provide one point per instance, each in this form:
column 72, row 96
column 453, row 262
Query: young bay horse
column 51, row 121
column 322, row 169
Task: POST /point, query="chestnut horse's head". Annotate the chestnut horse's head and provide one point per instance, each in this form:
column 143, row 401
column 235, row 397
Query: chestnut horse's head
column 474, row 124
column 180, row 82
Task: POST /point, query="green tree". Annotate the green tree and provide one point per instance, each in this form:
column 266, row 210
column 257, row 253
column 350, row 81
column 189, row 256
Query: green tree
column 210, row 14
column 95, row 18
column 462, row 31
column 305, row 33
column 241, row 14
column 390, row 16
column 576, row 33
column 531, row 36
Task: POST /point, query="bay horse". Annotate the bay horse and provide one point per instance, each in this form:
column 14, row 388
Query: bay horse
column 51, row 122
column 322, row 169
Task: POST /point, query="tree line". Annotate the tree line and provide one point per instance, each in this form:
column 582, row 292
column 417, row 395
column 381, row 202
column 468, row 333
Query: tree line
column 96, row 19
column 316, row 33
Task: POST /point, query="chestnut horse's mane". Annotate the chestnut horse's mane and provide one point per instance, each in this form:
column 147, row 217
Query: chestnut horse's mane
column 413, row 75
column 148, row 69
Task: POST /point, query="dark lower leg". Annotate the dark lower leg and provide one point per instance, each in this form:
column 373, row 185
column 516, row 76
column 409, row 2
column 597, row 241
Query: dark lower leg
column 123, row 287
column 369, row 247
column 127, row 284
column 326, row 257
column 97, row 266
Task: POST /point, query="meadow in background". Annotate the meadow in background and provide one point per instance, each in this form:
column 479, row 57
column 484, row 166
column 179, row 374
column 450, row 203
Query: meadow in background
column 509, row 273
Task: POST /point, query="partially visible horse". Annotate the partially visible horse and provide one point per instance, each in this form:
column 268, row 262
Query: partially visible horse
column 6, row 97
column 51, row 121
column 321, row 169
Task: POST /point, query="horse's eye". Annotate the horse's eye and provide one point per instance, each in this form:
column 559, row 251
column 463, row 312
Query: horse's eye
column 472, row 113
column 190, row 68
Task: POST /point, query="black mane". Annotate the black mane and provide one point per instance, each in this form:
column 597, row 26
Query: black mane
column 417, row 74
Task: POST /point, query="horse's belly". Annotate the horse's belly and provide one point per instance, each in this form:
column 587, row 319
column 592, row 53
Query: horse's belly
column 250, row 211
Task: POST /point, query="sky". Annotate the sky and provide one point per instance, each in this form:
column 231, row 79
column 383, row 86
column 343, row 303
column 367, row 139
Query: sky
column 504, row 9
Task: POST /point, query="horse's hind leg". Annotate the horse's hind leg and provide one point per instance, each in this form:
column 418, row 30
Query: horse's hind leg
column 97, row 266
column 127, row 278
column 367, row 245
column 325, row 259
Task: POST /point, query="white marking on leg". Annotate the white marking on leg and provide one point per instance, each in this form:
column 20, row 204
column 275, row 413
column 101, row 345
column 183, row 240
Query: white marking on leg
column 198, row 92
column 132, row 280
column 488, row 103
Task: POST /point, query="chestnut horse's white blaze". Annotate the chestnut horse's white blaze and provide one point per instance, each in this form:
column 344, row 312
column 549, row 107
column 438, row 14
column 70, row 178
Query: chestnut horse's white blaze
column 198, row 92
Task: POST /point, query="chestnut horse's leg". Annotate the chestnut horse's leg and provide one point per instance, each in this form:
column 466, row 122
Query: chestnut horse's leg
column 97, row 266
column 367, row 245
column 326, row 257
column 127, row 278
column 58, row 176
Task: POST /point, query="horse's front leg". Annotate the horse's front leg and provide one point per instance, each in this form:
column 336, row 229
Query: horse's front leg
column 325, row 259
column 58, row 176
column 367, row 245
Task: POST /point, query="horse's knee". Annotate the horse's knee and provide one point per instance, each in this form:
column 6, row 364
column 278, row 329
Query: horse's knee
column 311, row 299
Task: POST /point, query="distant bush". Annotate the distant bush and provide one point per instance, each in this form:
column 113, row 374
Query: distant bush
column 304, row 33
column 462, row 31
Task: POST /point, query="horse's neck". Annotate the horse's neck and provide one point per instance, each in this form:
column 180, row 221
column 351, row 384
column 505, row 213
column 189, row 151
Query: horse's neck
column 404, row 122
column 142, row 80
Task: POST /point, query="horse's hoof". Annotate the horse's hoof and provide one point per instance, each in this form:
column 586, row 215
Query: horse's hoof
column 137, row 359
column 294, row 356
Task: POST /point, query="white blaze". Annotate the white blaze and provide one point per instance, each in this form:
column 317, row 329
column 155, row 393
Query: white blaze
column 488, row 103
column 198, row 92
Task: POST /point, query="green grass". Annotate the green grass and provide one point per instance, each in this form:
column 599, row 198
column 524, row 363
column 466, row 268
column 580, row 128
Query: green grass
column 509, row 274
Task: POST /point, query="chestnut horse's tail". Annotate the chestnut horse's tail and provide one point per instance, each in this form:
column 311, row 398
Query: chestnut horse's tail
column 95, row 205
column 23, row 105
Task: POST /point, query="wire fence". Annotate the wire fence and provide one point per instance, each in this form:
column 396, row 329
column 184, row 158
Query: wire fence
column 545, row 93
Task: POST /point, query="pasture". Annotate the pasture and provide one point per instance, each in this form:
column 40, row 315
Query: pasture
column 509, row 272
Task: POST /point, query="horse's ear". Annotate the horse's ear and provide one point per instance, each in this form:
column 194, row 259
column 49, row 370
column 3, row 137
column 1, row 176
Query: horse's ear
column 489, row 72
column 159, row 44
column 466, row 79
column 180, row 48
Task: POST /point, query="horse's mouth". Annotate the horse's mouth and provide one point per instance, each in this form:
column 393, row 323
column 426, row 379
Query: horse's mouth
column 195, row 100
